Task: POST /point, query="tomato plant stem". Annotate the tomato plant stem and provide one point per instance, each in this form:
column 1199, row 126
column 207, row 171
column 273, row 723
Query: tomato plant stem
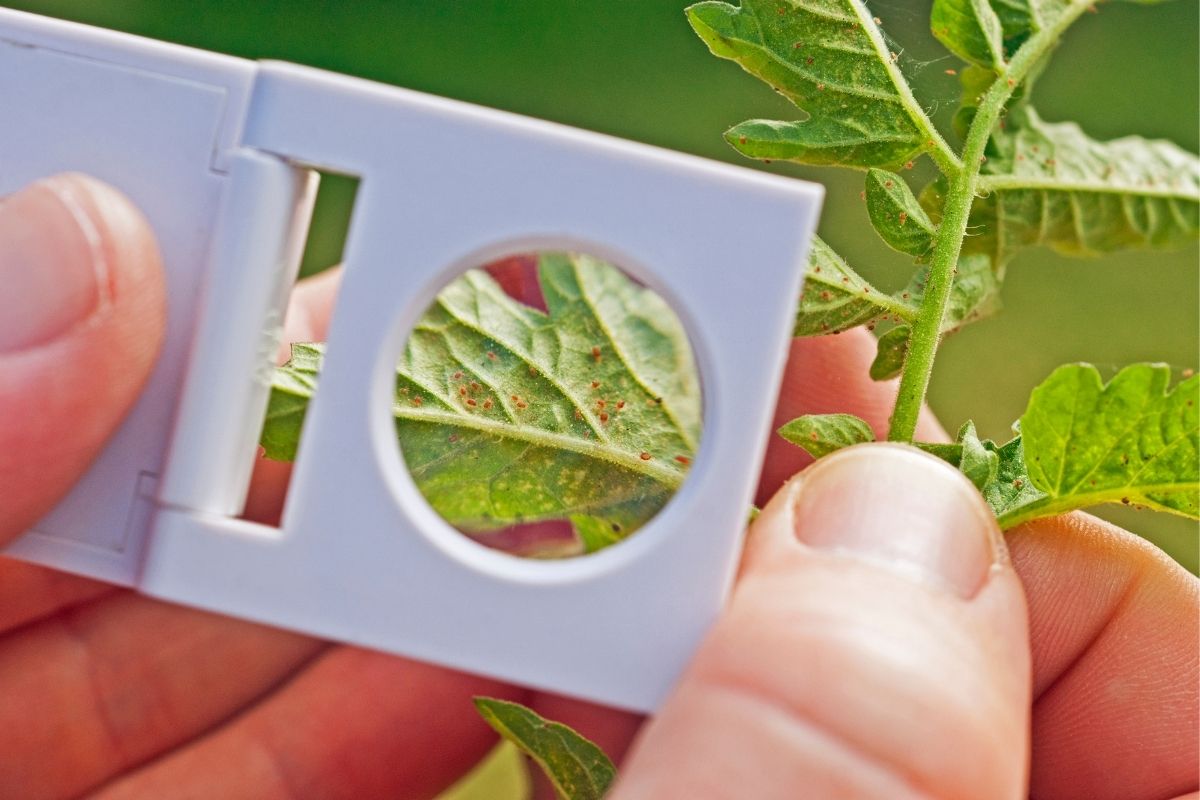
column 927, row 328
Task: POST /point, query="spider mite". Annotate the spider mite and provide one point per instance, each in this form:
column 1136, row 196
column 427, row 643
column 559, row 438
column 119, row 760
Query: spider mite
column 644, row 456
column 596, row 353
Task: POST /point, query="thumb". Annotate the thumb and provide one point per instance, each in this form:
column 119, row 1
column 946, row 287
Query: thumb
column 875, row 646
column 81, row 320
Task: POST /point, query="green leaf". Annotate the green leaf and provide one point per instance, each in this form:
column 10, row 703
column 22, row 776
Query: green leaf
column 1049, row 184
column 978, row 460
column 971, row 30
column 507, row 415
column 892, row 350
column 896, row 214
column 821, row 434
column 1084, row 443
column 291, row 388
column 578, row 769
column 1013, row 497
column 1131, row 441
column 595, row 533
column 835, row 298
column 830, row 59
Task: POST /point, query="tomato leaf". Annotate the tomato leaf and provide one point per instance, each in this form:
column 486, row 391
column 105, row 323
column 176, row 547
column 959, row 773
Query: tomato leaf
column 578, row 769
column 971, row 30
column 1085, row 443
column 835, row 298
column 1050, row 184
column 897, row 216
column 1132, row 440
column 830, row 59
column 892, row 350
column 508, row 415
column 821, row 434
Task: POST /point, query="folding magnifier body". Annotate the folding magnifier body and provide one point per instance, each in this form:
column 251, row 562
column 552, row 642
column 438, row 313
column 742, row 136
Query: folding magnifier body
column 221, row 154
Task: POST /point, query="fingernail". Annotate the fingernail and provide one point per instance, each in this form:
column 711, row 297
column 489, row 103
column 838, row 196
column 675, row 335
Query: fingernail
column 902, row 509
column 53, row 271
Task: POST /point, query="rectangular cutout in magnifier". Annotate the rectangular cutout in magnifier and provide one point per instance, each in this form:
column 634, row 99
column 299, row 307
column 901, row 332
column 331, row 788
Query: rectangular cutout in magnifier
column 309, row 306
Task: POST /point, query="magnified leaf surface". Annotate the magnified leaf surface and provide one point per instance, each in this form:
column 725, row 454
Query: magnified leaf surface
column 589, row 412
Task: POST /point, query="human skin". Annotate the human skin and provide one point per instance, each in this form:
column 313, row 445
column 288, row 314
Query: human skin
column 882, row 639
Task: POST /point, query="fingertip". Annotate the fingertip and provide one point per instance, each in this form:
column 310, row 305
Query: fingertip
column 83, row 319
column 876, row 625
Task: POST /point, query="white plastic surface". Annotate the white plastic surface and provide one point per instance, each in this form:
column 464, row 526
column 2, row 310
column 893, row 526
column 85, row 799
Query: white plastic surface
column 360, row 556
column 150, row 119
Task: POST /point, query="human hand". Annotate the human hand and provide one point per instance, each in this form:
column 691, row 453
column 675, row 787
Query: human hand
column 828, row 666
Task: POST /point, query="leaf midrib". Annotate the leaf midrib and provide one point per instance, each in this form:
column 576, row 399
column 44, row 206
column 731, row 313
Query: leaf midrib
column 653, row 468
column 1051, row 505
column 1011, row 183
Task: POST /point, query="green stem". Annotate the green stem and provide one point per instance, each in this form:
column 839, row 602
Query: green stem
column 964, row 182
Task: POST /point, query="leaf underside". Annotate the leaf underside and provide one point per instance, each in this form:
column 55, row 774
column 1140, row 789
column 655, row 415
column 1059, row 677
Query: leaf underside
column 1050, row 184
column 821, row 434
column 578, row 769
column 830, row 59
column 896, row 215
column 892, row 349
column 835, row 298
column 505, row 415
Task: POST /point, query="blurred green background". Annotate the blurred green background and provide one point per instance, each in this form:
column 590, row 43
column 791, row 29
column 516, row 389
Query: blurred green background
column 633, row 68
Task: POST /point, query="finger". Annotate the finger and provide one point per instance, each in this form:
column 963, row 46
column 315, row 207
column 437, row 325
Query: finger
column 829, row 375
column 29, row 593
column 81, row 321
column 355, row 725
column 1113, row 625
column 874, row 647
column 103, row 687
column 517, row 275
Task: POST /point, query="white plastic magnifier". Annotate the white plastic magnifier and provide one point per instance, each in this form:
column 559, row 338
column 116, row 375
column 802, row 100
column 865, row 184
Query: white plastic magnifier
column 220, row 154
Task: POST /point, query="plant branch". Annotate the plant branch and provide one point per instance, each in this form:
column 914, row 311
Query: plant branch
column 964, row 182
